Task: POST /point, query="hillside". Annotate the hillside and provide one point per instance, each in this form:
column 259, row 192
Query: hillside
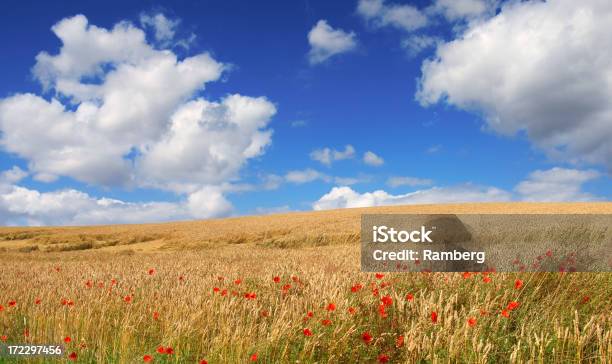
column 313, row 228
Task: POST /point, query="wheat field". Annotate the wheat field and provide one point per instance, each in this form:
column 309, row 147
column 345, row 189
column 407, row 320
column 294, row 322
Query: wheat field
column 286, row 289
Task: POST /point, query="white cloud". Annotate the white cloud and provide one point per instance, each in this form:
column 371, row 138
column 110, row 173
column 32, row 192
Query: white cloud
column 13, row 175
column 345, row 197
column 305, row 176
column 543, row 68
column 123, row 113
column 454, row 10
column 328, row 155
column 416, row 44
column 379, row 14
column 557, row 184
column 371, row 159
column 22, row 206
column 207, row 142
column 311, row 175
column 326, row 42
column 553, row 185
column 163, row 28
column 398, row 181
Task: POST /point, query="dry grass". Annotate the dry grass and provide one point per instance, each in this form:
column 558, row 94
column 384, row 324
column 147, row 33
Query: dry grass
column 555, row 322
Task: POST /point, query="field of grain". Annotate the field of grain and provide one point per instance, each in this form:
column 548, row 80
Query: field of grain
column 286, row 288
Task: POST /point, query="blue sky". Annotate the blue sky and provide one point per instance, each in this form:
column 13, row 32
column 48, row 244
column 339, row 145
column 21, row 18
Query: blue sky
column 456, row 101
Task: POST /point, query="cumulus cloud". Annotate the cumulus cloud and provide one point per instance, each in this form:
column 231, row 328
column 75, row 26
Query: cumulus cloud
column 163, row 27
column 371, row 159
column 326, row 42
column 123, row 113
column 557, row 184
column 327, row 155
column 553, row 185
column 454, row 10
column 416, row 44
column 539, row 68
column 379, row 14
column 398, row 181
column 346, row 197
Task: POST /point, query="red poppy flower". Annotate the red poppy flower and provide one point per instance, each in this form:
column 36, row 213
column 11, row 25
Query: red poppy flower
column 70, row 303
column 471, row 322
column 399, row 342
column 250, row 296
column 169, row 351
column 381, row 311
column 505, row 313
column 486, row 279
column 309, row 314
column 151, row 271
column 387, row 300
column 100, row 284
column 518, row 284
column 409, row 296
column 466, row 275
column 585, row 299
column 237, row 281
column 203, row 361
column 89, row 284
column 331, row 307
column 383, row 358
column 216, row 289
column 352, row 310
column 1, row 308
column 379, row 276
column 512, row 305
column 549, row 253
column 253, row 357
column 181, row 278
column 307, row 332
column 356, row 288
column 366, row 337
column 224, row 292
column 155, row 315
column 67, row 339
column 37, row 301
column 326, row 322
column 113, row 282
column 26, row 333
column 375, row 292
column 127, row 299
column 57, row 269
column 276, row 279
column 295, row 279
column 434, row 316
column 3, row 338
column 72, row 356
column 161, row 349
column 12, row 303
column 147, row 358
column 286, row 287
